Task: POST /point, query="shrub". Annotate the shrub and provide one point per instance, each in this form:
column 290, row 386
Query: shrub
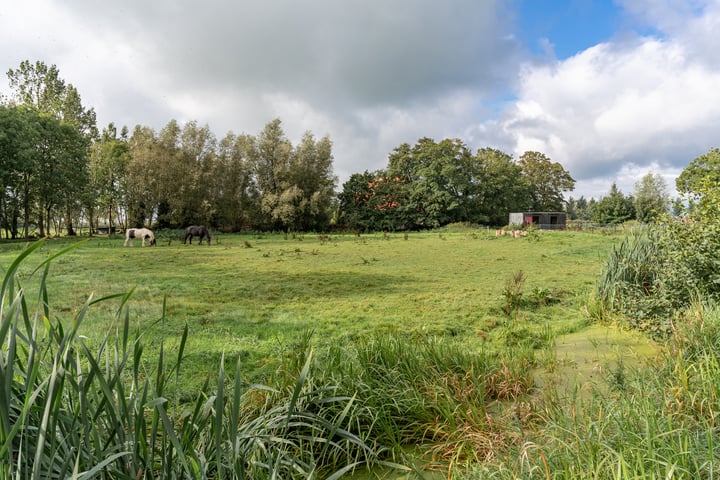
column 654, row 273
column 632, row 283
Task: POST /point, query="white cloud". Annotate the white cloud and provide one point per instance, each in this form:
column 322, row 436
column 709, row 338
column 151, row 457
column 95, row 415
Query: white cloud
column 373, row 75
column 625, row 106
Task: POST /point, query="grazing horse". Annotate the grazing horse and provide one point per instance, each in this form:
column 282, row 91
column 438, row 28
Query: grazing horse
column 196, row 231
column 144, row 233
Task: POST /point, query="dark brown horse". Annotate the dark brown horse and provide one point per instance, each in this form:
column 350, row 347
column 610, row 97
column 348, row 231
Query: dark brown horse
column 196, row 231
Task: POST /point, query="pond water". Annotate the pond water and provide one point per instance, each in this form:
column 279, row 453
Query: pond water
column 586, row 358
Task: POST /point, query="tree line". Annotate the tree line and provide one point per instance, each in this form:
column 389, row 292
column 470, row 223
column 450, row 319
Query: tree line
column 58, row 171
column 649, row 203
column 431, row 184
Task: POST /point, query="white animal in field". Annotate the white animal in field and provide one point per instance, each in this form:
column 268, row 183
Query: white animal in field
column 143, row 233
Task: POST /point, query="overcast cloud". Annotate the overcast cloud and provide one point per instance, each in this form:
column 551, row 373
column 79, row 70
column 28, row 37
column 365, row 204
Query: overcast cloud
column 373, row 74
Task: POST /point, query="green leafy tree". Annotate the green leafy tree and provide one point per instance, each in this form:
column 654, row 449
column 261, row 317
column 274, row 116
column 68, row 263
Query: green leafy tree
column 191, row 203
column 62, row 172
column 579, row 209
column 234, row 192
column 354, row 209
column 439, row 181
column 692, row 179
column 109, row 160
column 295, row 184
column 652, row 199
column 44, row 170
column 40, row 87
column 271, row 164
column 370, row 201
column 614, row 208
column 311, row 177
column 141, row 191
column 547, row 179
column 170, row 174
column 18, row 136
column 500, row 187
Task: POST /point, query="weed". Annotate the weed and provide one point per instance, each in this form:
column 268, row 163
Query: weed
column 513, row 292
column 540, row 296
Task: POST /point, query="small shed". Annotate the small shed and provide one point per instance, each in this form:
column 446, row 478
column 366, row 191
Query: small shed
column 541, row 220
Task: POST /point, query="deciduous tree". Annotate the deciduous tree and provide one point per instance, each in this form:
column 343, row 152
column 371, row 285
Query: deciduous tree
column 109, row 160
column 40, row 87
column 18, row 136
column 501, row 187
column 234, row 191
column 692, row 180
column 439, row 181
column 651, row 198
column 548, row 180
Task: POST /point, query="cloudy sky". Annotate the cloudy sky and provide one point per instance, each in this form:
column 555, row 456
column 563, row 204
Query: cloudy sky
column 611, row 89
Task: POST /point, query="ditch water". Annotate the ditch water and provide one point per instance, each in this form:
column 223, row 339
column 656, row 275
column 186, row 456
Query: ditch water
column 585, row 359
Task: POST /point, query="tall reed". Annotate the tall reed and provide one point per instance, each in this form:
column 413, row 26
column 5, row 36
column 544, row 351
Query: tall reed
column 430, row 391
column 631, row 285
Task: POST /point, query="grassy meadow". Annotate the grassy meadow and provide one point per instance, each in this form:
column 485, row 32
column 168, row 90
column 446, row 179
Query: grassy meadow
column 252, row 296
column 310, row 356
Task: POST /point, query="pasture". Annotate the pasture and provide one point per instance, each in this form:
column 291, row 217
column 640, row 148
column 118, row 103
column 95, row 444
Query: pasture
column 441, row 348
column 254, row 296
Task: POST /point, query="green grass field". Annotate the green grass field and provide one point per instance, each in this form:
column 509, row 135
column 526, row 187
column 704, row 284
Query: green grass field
column 254, row 295
column 452, row 350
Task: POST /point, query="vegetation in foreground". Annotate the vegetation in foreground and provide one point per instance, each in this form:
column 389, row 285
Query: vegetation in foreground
column 329, row 410
column 69, row 410
column 250, row 297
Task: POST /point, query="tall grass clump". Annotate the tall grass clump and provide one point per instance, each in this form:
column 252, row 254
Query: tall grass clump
column 513, row 293
column 631, row 284
column 429, row 391
column 67, row 411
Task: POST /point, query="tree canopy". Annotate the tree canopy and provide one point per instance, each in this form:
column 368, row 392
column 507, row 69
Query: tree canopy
column 547, row 180
column 652, row 199
column 432, row 183
column 614, row 208
column 59, row 171
column 702, row 170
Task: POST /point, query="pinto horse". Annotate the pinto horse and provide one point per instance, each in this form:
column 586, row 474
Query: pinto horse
column 196, row 231
column 144, row 233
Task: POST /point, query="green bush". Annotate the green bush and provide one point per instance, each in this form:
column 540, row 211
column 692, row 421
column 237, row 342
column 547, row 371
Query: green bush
column 632, row 285
column 654, row 273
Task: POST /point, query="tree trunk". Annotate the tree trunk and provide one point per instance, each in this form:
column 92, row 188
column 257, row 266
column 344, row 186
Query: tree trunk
column 26, row 206
column 91, row 220
column 70, row 230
